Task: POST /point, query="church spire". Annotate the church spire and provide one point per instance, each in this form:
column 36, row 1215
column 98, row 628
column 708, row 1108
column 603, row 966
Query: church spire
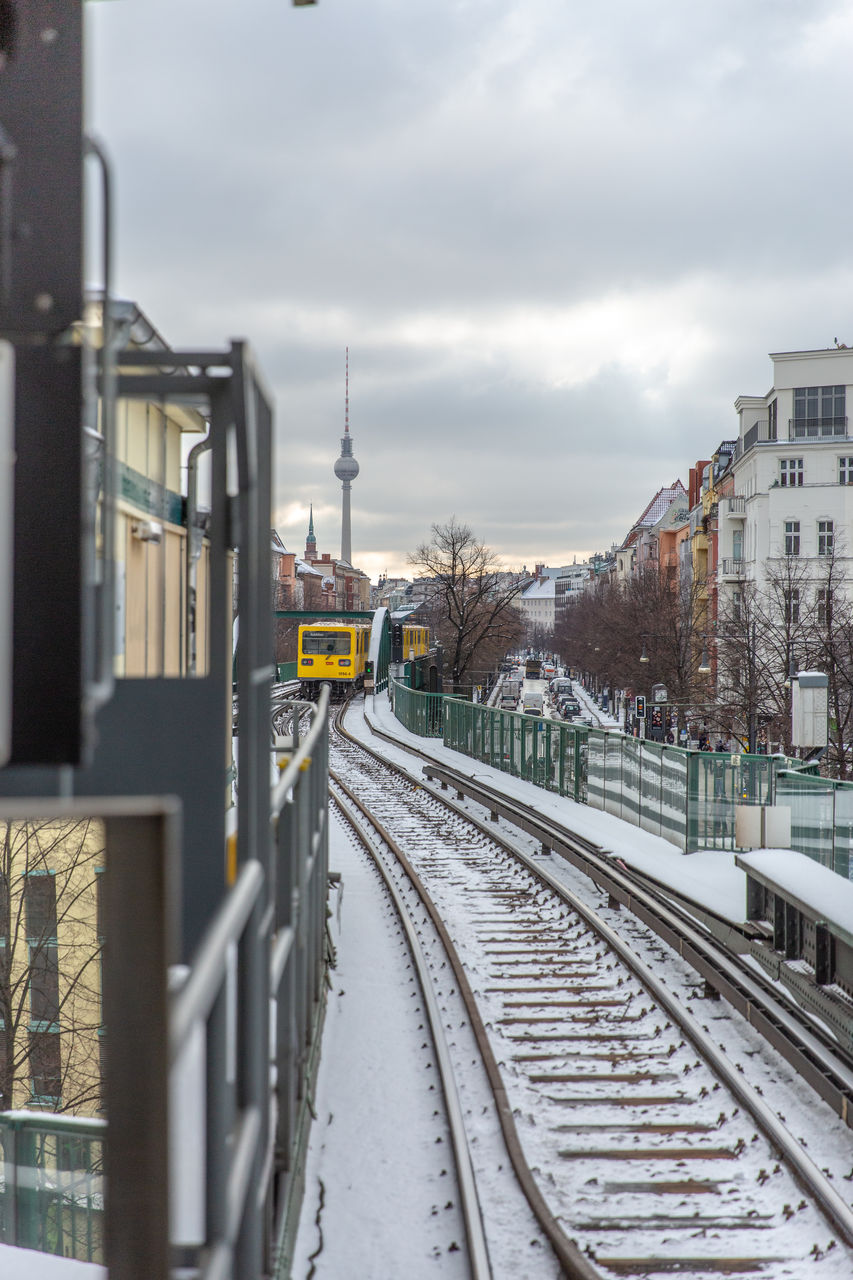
column 311, row 541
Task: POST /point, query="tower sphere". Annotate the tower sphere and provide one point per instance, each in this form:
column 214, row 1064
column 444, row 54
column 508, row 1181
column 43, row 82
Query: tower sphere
column 346, row 467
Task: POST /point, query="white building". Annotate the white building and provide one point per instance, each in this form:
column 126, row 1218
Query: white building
column 793, row 472
column 538, row 603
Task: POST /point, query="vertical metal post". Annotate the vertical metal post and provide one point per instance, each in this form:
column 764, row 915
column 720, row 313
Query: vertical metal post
column 139, row 884
column 220, row 1117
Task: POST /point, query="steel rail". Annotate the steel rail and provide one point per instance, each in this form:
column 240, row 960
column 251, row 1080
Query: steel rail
column 814, row 1054
column 836, row 1210
column 478, row 1253
column 576, row 1266
column 834, row 1207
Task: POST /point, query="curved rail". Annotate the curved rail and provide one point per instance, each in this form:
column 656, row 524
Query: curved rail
column 478, row 1253
column 575, row 1265
column 713, row 947
column 832, row 1205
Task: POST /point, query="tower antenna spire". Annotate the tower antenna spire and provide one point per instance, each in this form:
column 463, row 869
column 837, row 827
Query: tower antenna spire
column 346, row 469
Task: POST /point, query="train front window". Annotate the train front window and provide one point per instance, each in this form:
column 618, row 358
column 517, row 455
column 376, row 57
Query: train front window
column 325, row 642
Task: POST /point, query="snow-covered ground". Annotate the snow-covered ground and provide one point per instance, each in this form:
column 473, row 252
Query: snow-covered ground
column 29, row 1264
column 369, row 1074
column 374, row 1209
column 708, row 876
column 376, row 1206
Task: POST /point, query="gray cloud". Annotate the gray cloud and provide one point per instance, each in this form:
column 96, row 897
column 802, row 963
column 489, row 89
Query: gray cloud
column 559, row 240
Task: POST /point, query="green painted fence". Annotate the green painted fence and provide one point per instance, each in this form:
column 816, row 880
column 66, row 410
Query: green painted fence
column 546, row 752
column 688, row 797
column 422, row 713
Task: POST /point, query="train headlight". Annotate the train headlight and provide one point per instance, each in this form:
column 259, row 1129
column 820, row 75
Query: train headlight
column 345, row 662
column 307, row 662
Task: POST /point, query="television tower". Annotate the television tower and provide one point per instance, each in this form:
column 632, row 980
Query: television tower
column 346, row 469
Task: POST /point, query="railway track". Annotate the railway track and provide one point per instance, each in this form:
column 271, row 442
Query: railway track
column 647, row 1151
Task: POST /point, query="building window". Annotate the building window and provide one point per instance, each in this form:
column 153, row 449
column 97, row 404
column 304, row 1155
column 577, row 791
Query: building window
column 792, row 605
column 819, row 411
column 45, row 1066
column 44, row 986
column 772, row 419
column 737, row 601
column 790, row 472
column 737, row 544
column 40, row 894
column 845, row 470
column 824, row 607
column 825, row 537
column 792, row 537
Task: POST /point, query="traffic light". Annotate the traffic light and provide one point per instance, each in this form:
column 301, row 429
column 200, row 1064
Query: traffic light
column 396, row 642
column 368, row 669
column 640, row 711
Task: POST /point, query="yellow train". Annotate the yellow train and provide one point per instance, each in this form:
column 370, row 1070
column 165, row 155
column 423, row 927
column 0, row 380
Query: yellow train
column 334, row 653
column 408, row 641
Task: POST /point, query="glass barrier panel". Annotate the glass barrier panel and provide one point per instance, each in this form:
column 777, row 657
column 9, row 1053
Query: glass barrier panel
column 595, row 780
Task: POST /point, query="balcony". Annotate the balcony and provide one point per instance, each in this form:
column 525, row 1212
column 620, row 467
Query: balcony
column 732, row 570
column 733, row 508
column 759, row 433
column 817, row 428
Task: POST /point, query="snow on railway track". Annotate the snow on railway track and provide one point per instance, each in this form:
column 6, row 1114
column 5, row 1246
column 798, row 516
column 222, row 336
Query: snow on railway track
column 646, row 1159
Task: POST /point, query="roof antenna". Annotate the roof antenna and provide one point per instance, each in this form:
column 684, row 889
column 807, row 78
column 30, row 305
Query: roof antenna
column 346, row 399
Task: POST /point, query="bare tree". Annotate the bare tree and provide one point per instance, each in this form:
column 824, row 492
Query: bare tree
column 474, row 612
column 637, row 633
column 50, row 999
column 539, row 637
column 763, row 633
column 830, row 649
column 747, row 698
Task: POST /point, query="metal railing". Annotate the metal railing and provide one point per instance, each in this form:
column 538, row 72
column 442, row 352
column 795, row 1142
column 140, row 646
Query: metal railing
column 733, row 508
column 732, row 568
column 817, row 428
column 261, row 965
column 688, row 797
column 548, row 752
column 52, row 1194
column 422, row 713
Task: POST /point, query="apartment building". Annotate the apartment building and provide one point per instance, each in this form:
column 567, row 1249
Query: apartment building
column 792, row 473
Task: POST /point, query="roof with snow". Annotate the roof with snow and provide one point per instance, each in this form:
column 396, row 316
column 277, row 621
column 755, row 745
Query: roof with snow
column 661, row 503
column 541, row 589
column 657, row 508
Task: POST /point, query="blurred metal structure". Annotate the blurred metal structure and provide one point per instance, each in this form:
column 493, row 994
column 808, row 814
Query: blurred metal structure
column 41, row 295
column 213, row 911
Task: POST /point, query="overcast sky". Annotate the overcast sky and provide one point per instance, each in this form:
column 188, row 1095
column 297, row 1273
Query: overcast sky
column 558, row 238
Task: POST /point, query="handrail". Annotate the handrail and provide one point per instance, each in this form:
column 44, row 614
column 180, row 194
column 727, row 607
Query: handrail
column 302, row 758
column 83, row 1126
column 196, row 997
